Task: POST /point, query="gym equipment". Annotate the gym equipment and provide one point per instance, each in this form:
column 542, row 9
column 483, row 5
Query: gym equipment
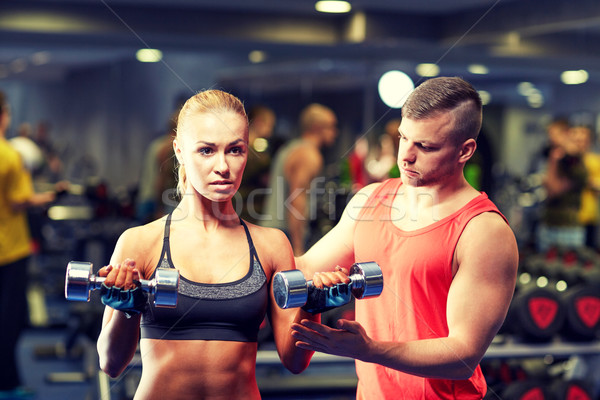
column 536, row 313
column 528, row 389
column 79, row 282
column 571, row 390
column 582, row 305
column 290, row 288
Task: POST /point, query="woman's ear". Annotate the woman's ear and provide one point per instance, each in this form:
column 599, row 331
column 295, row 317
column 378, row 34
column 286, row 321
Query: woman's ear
column 467, row 150
column 177, row 150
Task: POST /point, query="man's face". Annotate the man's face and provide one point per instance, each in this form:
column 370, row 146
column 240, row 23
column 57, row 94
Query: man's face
column 427, row 154
column 328, row 128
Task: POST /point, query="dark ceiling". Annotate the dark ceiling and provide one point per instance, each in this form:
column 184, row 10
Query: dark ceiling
column 516, row 39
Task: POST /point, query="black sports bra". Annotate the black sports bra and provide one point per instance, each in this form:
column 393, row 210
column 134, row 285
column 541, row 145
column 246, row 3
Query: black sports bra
column 230, row 311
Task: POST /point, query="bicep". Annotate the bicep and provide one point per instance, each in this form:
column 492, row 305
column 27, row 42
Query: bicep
column 280, row 259
column 484, row 283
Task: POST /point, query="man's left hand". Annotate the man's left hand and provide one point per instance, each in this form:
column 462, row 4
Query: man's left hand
column 348, row 340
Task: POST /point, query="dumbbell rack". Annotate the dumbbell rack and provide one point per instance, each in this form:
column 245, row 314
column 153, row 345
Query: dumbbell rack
column 509, row 348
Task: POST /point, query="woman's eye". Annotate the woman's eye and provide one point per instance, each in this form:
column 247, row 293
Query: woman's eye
column 205, row 150
column 237, row 150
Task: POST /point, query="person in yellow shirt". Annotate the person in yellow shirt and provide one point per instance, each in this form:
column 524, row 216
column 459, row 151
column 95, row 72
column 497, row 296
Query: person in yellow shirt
column 589, row 212
column 16, row 194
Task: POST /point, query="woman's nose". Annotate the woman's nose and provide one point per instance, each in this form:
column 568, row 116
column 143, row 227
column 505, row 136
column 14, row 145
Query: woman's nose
column 221, row 165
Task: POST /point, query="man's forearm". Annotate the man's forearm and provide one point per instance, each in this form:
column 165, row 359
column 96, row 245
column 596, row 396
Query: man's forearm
column 441, row 358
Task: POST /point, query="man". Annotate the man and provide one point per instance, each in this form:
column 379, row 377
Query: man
column 16, row 195
column 296, row 165
column 449, row 260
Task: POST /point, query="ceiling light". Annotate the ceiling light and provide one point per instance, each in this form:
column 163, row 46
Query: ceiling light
column 525, row 88
column 535, row 100
column 257, row 56
column 394, row 87
column 478, row 69
column 428, row 70
column 333, row 6
column 148, row 55
column 574, row 77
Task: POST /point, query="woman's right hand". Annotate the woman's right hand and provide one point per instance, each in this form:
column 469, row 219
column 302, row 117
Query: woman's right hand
column 124, row 275
column 339, row 275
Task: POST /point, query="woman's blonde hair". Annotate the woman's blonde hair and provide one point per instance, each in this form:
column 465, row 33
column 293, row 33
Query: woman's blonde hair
column 207, row 101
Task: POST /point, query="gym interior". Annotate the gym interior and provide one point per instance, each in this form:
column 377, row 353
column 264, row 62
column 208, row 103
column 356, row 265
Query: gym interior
column 69, row 69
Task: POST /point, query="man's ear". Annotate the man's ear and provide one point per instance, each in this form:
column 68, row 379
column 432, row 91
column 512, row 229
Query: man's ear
column 467, row 150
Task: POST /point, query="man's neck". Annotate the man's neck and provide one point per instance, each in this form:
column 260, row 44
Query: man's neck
column 312, row 139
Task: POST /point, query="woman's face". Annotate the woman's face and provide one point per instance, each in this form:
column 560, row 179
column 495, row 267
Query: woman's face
column 213, row 147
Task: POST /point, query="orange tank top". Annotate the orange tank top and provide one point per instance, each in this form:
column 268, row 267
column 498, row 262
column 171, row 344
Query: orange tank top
column 417, row 272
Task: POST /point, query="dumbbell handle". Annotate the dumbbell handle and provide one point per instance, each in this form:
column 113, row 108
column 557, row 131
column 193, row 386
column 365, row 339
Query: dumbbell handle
column 95, row 282
column 79, row 282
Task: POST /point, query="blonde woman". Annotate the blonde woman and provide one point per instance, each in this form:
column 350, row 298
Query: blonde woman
column 205, row 348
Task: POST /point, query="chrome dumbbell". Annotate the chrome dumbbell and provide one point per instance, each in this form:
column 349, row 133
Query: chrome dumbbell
column 290, row 288
column 80, row 281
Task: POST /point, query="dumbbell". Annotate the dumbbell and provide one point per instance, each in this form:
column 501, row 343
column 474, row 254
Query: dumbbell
column 79, row 282
column 290, row 288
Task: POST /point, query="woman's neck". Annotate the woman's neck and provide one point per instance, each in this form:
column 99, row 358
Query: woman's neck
column 210, row 214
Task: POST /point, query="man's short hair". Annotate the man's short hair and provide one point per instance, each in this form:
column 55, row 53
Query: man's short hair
column 447, row 94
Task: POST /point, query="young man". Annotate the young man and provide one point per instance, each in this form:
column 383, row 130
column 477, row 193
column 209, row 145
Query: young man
column 449, row 260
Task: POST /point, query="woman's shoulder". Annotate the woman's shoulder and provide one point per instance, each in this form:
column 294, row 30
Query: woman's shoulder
column 271, row 243
column 263, row 234
column 140, row 240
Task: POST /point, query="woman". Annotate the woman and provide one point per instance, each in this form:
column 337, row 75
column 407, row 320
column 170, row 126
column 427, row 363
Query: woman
column 206, row 347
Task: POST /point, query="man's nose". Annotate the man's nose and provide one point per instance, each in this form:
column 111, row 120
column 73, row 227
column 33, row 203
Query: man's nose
column 406, row 152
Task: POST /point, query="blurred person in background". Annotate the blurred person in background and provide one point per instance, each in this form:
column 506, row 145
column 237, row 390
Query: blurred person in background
column 289, row 205
column 16, row 196
column 261, row 121
column 381, row 162
column 158, row 175
column 564, row 178
column 589, row 212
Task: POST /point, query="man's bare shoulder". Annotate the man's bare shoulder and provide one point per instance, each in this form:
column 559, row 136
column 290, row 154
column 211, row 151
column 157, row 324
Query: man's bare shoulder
column 490, row 230
column 358, row 200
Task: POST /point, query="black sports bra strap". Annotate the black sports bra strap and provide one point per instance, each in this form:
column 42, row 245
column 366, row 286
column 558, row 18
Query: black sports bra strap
column 248, row 237
column 168, row 226
column 166, row 249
